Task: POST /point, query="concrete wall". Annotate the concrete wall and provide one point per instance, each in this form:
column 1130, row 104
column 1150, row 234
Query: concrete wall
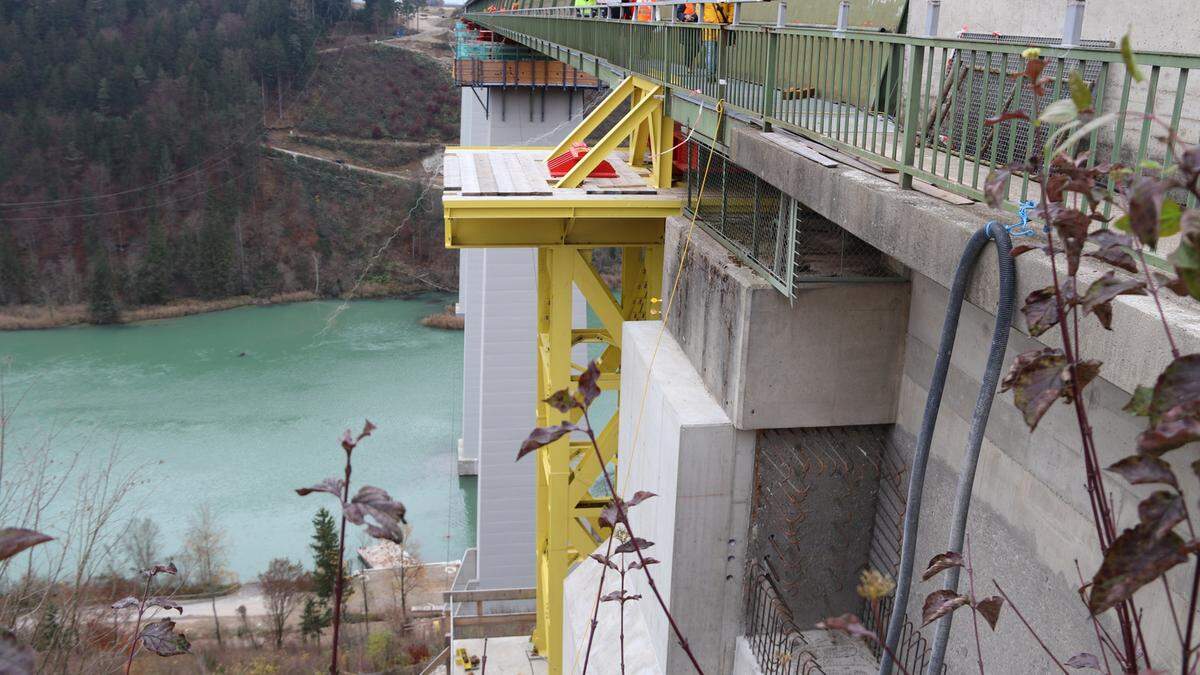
column 470, row 295
column 513, row 117
column 1030, row 519
column 830, row 357
column 688, row 452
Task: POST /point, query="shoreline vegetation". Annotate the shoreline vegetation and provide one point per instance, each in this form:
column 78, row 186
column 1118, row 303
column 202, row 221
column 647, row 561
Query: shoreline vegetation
column 447, row 319
column 45, row 317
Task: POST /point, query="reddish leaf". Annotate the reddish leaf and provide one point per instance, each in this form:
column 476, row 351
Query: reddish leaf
column 635, row 565
column 609, row 516
column 635, row 544
column 941, row 562
column 939, row 604
column 1085, row 371
column 126, row 603
column 1104, row 289
column 989, row 609
column 1145, row 205
column 347, row 441
column 1115, row 256
column 1168, row 435
column 639, row 497
column 849, row 624
column 1025, row 248
column 562, row 401
column 1072, row 226
column 376, row 504
column 995, row 187
column 1084, row 660
column 1161, row 512
column 1178, row 384
column 368, row 427
column 13, row 540
column 169, row 568
column 1004, row 117
column 1041, row 309
column 160, row 637
column 589, row 384
column 15, row 658
column 1176, row 285
column 1145, row 469
column 1136, row 558
column 165, row 603
column 1105, row 238
column 1036, row 379
column 542, row 436
column 603, row 561
column 333, row 486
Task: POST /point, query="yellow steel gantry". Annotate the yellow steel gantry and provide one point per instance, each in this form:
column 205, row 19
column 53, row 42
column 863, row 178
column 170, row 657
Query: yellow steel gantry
column 565, row 223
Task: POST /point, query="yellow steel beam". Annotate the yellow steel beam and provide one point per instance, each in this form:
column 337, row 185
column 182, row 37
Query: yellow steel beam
column 594, row 118
column 636, row 115
column 598, row 296
column 588, row 469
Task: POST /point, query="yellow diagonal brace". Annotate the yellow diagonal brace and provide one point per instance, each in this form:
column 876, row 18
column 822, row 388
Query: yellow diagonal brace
column 581, row 540
column 598, row 296
column 588, row 469
column 594, row 118
column 636, row 115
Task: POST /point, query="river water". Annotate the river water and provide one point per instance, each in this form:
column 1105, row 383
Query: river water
column 235, row 409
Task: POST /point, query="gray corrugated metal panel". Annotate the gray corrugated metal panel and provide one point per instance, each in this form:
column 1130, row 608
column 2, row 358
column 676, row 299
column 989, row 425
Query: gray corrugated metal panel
column 879, row 14
column 506, row 488
column 471, row 295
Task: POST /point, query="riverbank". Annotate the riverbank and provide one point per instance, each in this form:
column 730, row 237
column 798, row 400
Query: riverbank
column 42, row 317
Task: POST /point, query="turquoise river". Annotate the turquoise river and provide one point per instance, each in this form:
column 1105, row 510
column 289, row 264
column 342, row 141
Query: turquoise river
column 235, row 409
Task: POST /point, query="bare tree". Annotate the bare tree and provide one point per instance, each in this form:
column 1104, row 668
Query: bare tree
column 141, row 543
column 204, row 549
column 283, row 585
column 409, row 574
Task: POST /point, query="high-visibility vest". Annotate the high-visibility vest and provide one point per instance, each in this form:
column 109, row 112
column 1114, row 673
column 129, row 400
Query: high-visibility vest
column 716, row 12
column 645, row 13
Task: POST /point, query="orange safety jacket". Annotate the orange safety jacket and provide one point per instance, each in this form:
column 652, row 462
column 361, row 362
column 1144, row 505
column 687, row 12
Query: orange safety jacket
column 645, row 13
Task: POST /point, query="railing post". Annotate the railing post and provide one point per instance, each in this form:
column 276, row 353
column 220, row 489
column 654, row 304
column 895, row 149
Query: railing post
column 1073, row 24
column 780, row 14
column 912, row 110
column 769, row 80
column 933, row 13
column 843, row 20
column 737, row 14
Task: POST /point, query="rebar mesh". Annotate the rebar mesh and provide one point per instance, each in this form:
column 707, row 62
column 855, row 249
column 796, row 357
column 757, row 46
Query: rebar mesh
column 823, row 250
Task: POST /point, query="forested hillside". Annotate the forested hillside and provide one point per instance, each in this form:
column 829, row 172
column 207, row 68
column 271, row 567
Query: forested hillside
column 132, row 167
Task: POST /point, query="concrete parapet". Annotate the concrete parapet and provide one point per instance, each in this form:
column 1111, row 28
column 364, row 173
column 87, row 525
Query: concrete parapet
column 829, row 357
column 678, row 443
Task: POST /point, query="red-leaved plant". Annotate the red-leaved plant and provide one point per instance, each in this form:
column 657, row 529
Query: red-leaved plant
column 160, row 636
column 616, row 512
column 372, row 507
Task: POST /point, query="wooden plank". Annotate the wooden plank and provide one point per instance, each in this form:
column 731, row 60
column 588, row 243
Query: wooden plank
column 451, row 176
column 470, row 178
column 918, row 185
column 512, row 167
column 800, row 148
column 504, row 182
column 483, row 168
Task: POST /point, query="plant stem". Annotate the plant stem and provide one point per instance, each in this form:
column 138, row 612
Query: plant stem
column 596, row 607
column 1187, row 640
column 137, row 625
column 622, row 607
column 1030, row 629
column 1095, row 622
column 974, row 614
column 623, row 518
column 338, row 581
column 1153, row 288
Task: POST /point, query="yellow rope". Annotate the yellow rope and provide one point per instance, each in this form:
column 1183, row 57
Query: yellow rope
column 687, row 241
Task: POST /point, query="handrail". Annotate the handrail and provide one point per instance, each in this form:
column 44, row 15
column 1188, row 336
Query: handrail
column 856, row 91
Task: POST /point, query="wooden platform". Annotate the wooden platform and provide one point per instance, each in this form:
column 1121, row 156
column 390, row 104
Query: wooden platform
column 527, row 73
column 506, row 197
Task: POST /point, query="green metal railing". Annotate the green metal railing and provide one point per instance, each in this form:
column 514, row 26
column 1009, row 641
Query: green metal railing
column 913, row 105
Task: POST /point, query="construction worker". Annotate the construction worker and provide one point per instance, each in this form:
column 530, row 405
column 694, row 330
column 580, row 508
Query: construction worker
column 644, row 12
column 720, row 13
column 583, row 8
column 686, row 12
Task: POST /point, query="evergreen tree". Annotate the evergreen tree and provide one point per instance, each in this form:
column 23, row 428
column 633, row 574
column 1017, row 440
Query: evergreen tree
column 46, row 633
column 214, row 265
column 312, row 620
column 325, row 563
column 102, row 300
column 12, row 270
column 154, row 274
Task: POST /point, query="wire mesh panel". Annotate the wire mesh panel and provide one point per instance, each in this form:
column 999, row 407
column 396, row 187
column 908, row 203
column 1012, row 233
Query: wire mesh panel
column 745, row 212
column 823, row 250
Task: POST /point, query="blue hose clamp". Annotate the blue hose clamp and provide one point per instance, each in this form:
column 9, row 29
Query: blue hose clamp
column 1023, row 228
